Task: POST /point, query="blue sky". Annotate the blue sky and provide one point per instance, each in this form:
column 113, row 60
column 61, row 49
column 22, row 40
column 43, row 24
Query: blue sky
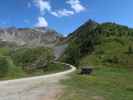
column 64, row 15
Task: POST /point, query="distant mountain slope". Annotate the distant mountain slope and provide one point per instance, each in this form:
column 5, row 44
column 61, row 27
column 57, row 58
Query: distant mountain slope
column 30, row 37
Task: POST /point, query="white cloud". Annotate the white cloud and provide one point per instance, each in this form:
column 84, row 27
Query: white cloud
column 41, row 22
column 43, row 5
column 54, row 13
column 61, row 13
column 29, row 5
column 76, row 5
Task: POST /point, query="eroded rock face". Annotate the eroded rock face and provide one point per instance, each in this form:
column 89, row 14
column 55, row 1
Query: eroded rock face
column 40, row 36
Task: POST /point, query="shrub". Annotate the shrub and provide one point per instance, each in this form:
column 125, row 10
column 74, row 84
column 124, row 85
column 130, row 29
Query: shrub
column 72, row 54
column 4, row 66
column 32, row 57
column 130, row 50
column 8, row 69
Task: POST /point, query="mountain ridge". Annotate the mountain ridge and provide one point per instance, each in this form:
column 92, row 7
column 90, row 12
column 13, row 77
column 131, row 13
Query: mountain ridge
column 38, row 36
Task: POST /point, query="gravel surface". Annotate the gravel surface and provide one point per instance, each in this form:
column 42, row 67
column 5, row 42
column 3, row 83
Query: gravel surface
column 36, row 88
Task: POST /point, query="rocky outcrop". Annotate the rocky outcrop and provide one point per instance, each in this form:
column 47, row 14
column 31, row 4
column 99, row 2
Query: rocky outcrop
column 40, row 36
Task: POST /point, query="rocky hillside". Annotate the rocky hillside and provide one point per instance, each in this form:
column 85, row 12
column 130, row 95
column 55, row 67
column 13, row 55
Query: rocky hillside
column 40, row 36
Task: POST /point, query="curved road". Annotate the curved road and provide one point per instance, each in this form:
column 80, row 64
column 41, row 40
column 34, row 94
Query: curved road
column 45, row 87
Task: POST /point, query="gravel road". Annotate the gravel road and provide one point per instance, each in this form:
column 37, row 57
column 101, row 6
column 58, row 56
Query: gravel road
column 35, row 88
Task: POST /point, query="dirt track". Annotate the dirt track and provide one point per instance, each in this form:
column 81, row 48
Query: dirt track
column 36, row 88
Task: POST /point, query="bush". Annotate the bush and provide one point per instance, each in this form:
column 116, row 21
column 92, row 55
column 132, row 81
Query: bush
column 72, row 54
column 8, row 69
column 130, row 50
column 111, row 59
column 4, row 66
column 32, row 57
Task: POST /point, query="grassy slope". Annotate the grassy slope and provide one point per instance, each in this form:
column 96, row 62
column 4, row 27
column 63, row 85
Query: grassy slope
column 103, row 84
column 113, row 82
